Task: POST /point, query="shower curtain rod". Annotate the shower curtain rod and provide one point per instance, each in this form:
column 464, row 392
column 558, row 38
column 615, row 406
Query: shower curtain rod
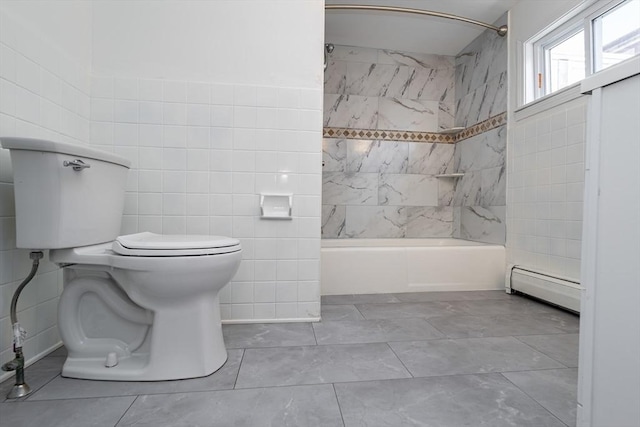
column 502, row 30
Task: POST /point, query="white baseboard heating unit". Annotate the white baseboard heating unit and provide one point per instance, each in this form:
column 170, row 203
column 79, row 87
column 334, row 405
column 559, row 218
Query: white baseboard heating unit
column 559, row 291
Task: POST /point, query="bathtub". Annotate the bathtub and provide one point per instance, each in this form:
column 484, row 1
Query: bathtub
column 368, row 266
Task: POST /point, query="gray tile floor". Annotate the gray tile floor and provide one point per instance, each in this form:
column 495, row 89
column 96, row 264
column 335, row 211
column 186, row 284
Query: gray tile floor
column 443, row 359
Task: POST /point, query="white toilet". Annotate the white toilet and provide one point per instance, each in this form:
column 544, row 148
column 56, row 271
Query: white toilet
column 140, row 307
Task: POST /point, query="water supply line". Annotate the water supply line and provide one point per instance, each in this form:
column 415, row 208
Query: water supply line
column 21, row 388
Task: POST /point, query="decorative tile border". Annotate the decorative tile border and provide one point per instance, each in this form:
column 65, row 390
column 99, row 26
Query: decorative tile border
column 412, row 136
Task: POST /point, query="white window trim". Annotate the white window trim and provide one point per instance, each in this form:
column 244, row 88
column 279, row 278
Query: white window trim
column 526, row 55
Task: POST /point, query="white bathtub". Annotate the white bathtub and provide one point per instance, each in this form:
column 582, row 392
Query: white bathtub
column 368, row 266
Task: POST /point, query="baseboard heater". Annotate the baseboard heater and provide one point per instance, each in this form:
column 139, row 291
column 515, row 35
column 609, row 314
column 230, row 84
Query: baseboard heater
column 555, row 290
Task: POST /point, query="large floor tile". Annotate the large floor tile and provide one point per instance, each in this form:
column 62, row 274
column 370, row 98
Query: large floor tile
column 359, row 299
column 451, row 296
column 555, row 389
column 318, row 364
column 65, row 413
column 281, row 406
column 563, row 348
column 516, row 305
column 410, row 309
column 268, row 335
column 567, row 322
column 380, row 330
column 36, row 376
column 465, row 326
column 470, row 356
column 67, row 388
column 462, row 400
column 340, row 312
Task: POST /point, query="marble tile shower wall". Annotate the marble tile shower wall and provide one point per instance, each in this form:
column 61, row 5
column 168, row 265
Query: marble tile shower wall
column 481, row 92
column 381, row 89
column 380, row 189
column 387, row 188
column 44, row 93
column 202, row 153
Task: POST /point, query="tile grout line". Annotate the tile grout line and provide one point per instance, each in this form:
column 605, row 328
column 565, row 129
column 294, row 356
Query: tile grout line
column 400, row 360
column 239, row 367
column 335, row 393
column 540, row 351
column 530, row 397
column 127, row 410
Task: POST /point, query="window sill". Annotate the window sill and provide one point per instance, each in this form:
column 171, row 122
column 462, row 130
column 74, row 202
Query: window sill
column 611, row 75
column 548, row 102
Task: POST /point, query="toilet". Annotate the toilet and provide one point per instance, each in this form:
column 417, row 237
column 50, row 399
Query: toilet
column 138, row 307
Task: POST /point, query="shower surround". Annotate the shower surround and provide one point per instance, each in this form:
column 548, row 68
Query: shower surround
column 387, row 107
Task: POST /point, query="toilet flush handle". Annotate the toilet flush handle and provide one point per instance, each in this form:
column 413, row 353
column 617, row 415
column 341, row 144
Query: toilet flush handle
column 76, row 164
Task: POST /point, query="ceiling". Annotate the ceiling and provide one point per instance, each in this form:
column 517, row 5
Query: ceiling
column 408, row 32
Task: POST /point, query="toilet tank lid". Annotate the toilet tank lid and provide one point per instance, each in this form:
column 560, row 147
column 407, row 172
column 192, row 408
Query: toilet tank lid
column 148, row 240
column 32, row 144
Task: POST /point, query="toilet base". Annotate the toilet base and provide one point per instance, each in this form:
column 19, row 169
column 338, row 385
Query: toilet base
column 135, row 368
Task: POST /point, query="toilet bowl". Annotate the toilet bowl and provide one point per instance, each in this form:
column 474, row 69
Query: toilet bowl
column 150, row 300
column 138, row 307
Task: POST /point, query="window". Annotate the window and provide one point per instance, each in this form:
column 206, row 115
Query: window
column 603, row 35
column 616, row 35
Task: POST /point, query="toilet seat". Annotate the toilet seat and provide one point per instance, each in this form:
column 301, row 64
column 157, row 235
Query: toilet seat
column 148, row 244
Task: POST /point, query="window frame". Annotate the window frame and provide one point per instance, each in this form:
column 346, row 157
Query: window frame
column 536, row 49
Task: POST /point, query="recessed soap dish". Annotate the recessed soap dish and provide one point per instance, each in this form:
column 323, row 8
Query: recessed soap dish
column 276, row 206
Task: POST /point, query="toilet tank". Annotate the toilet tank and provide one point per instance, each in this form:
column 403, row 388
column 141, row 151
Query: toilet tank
column 62, row 206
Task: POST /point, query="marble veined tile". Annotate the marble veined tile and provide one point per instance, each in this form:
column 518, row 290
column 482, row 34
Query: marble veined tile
column 469, row 356
column 377, row 156
column 555, row 389
column 335, row 77
column 563, row 347
column 496, row 325
column 483, row 151
column 376, row 221
column 430, row 85
column 333, row 221
column 408, row 190
column 483, row 224
column 313, row 405
column 493, row 187
column 350, row 111
column 368, row 331
column 446, row 116
column 408, row 114
column 340, row 312
column 429, row 221
column 467, row 189
column 376, row 79
column 349, row 188
column 65, row 413
column 417, row 60
column 430, row 158
column 354, row 54
column 69, row 388
column 318, row 364
column 334, row 155
column 461, row 400
column 494, row 97
column 268, row 335
column 446, row 191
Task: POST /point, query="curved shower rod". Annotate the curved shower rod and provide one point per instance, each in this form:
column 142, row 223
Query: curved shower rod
column 502, row 30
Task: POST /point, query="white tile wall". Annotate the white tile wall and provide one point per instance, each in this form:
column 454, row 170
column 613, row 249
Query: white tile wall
column 545, row 186
column 204, row 153
column 43, row 94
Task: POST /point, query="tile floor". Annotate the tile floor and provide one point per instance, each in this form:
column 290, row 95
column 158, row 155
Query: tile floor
column 426, row 359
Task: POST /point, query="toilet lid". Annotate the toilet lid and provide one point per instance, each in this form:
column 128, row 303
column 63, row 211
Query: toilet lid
column 151, row 244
